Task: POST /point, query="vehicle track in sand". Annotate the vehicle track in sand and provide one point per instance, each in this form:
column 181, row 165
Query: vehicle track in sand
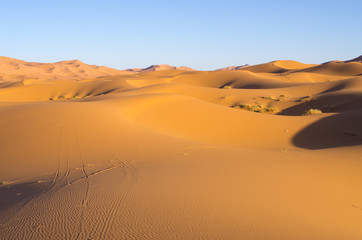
column 70, row 203
column 85, row 199
column 116, row 204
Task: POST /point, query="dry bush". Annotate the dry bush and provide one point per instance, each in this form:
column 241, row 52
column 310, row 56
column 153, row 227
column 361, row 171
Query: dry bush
column 255, row 108
column 305, row 99
column 312, row 111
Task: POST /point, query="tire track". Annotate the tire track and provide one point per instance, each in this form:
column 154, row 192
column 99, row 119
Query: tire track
column 61, row 146
column 117, row 203
column 67, row 171
column 84, row 227
column 99, row 229
column 85, row 199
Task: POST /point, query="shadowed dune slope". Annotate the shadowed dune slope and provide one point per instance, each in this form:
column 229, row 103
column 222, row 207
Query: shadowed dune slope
column 272, row 151
column 357, row 59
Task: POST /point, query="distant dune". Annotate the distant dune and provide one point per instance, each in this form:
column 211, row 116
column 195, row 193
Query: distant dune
column 162, row 67
column 232, row 68
column 14, row 69
column 271, row 151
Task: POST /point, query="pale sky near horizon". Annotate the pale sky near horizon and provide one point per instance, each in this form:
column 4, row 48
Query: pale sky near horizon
column 204, row 35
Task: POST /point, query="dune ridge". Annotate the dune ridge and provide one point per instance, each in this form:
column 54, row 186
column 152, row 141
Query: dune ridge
column 271, row 151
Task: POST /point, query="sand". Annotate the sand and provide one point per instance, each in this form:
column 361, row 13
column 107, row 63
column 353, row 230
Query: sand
column 174, row 153
column 161, row 67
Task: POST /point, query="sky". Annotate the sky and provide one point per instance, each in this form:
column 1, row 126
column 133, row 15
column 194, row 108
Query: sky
column 204, row 35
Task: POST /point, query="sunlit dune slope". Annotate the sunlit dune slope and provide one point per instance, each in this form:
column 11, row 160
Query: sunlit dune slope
column 271, row 151
column 278, row 66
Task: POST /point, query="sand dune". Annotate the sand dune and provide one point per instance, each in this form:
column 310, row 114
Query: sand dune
column 161, row 67
column 278, row 67
column 272, row 151
column 357, row 59
column 337, row 68
column 14, row 69
column 232, row 68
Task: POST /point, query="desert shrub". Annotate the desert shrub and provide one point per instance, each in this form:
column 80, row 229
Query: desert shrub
column 282, row 97
column 61, row 97
column 312, row 111
column 269, row 97
column 255, row 108
column 305, row 99
column 51, row 99
column 227, row 87
column 248, row 107
column 269, row 110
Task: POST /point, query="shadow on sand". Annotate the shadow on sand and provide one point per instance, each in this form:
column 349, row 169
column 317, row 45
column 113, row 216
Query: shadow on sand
column 343, row 129
column 14, row 196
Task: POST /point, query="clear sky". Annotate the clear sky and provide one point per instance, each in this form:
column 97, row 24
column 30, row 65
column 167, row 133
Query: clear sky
column 201, row 34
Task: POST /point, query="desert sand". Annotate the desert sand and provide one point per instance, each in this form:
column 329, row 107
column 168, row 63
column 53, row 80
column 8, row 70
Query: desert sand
column 270, row 151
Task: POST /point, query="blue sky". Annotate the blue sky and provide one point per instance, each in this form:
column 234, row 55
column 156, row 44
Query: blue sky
column 201, row 34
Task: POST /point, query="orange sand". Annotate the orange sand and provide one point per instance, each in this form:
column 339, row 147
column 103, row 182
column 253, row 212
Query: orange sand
column 90, row 152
